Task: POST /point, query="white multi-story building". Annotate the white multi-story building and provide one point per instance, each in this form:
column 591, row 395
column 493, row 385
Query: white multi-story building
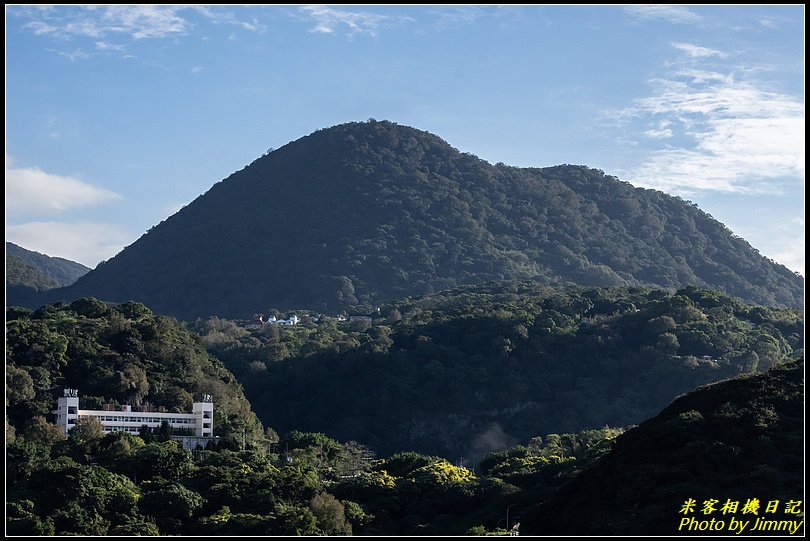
column 200, row 420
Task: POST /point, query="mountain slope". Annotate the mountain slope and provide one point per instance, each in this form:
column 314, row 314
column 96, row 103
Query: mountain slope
column 62, row 272
column 736, row 440
column 22, row 275
column 472, row 370
column 366, row 212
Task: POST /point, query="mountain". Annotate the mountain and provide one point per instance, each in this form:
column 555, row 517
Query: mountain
column 476, row 369
column 55, row 271
column 20, row 274
column 736, row 440
column 366, row 212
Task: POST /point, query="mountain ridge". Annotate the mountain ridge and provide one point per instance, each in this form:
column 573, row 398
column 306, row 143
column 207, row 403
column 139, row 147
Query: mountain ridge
column 361, row 213
column 62, row 271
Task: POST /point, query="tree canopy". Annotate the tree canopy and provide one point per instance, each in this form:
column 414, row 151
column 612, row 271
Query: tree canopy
column 363, row 213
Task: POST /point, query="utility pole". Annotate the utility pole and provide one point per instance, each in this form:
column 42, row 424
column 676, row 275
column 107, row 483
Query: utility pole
column 507, row 516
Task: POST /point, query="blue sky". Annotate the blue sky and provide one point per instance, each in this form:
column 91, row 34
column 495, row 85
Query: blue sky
column 116, row 116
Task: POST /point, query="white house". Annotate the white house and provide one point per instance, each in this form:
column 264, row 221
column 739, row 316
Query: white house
column 200, row 420
column 292, row 320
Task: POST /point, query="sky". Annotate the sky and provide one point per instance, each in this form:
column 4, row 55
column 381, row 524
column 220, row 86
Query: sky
column 117, row 116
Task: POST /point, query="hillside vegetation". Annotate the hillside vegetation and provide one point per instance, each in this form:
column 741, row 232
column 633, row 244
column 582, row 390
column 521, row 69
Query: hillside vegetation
column 29, row 273
column 738, row 440
column 119, row 354
column 58, row 270
column 361, row 213
column 479, row 368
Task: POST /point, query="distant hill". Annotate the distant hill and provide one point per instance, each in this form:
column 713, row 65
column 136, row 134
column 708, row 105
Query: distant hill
column 476, row 369
column 366, row 212
column 21, row 274
column 30, row 273
column 737, row 440
column 60, row 271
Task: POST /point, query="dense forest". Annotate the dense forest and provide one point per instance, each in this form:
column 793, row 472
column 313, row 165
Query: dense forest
column 28, row 273
column 475, row 369
column 738, row 439
column 363, row 213
column 58, row 271
column 118, row 354
column 734, row 441
column 89, row 483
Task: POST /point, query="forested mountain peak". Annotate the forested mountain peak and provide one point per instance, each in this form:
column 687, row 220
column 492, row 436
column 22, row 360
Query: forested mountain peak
column 366, row 212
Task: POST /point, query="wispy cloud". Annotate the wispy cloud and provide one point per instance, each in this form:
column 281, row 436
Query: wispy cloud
column 219, row 16
column 451, row 17
column 137, row 21
column 104, row 46
column 723, row 133
column 84, row 241
column 662, row 131
column 781, row 240
column 695, row 51
column 75, row 54
column 329, row 20
column 789, row 246
column 673, row 14
column 31, row 189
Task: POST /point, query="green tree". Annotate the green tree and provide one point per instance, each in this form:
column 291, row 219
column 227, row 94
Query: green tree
column 330, row 514
column 170, row 504
column 87, row 431
column 41, row 431
column 19, row 385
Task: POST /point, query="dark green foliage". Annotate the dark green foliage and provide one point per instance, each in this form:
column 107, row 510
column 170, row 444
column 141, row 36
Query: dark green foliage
column 363, row 213
column 62, row 272
column 21, row 274
column 477, row 369
column 737, row 440
column 171, row 504
column 28, row 273
column 117, row 354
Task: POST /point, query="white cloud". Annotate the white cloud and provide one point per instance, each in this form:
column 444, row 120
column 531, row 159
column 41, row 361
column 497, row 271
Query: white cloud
column 218, row 16
column 195, row 70
column 673, row 14
column 696, row 51
column 781, row 240
column 329, row 21
column 73, row 55
column 104, row 46
column 789, row 251
column 143, row 21
column 735, row 135
column 768, row 22
column 31, row 189
column 85, row 242
column 137, row 21
column 41, row 28
column 451, row 17
column 659, row 134
column 662, row 131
